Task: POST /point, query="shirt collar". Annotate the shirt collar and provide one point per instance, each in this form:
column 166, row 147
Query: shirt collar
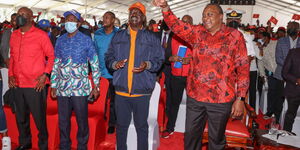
column 292, row 39
column 32, row 28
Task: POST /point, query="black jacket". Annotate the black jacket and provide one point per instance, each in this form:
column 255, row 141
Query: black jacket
column 291, row 72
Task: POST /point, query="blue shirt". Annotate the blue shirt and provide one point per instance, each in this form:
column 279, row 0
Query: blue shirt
column 102, row 42
column 70, row 72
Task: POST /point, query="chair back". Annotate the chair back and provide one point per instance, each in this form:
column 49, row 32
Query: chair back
column 98, row 105
column 154, row 100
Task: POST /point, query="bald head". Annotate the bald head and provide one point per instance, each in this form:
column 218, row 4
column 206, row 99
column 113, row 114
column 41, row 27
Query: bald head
column 26, row 11
column 24, row 18
column 187, row 19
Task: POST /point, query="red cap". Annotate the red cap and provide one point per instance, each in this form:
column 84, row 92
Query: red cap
column 281, row 28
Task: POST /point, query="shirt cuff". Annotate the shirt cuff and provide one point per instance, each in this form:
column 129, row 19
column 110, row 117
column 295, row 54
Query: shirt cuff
column 167, row 13
column 114, row 65
column 149, row 65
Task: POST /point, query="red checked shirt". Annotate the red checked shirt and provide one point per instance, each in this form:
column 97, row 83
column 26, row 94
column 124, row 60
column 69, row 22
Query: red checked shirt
column 219, row 70
column 28, row 53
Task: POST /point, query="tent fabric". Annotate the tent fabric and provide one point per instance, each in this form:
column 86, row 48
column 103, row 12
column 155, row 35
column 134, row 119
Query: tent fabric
column 53, row 8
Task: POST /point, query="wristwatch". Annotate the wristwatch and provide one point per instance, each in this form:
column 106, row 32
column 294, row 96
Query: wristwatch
column 242, row 99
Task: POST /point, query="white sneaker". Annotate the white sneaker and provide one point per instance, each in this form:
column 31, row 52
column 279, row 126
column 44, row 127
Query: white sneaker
column 6, row 143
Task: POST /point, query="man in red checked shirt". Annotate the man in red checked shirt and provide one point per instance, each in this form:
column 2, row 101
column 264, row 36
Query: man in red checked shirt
column 218, row 79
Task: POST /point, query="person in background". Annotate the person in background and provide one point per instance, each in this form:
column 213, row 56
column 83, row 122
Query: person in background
column 165, row 36
column 178, row 77
column 234, row 20
column 44, row 25
column 69, row 80
column 134, row 56
column 281, row 32
column 4, row 63
column 62, row 23
column 5, row 38
column 6, row 142
column 218, row 79
column 282, row 48
column 267, row 68
column 85, row 25
column 100, row 24
column 54, row 34
column 150, row 25
column 103, row 38
column 31, row 62
column 117, row 23
column 291, row 74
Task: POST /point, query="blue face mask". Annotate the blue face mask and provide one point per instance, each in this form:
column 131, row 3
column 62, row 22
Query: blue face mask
column 71, row 27
column 99, row 26
column 85, row 26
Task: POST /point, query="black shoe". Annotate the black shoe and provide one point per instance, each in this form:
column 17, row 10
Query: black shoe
column 111, row 130
column 24, row 147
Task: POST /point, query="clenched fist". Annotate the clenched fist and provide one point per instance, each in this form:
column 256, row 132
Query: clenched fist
column 160, row 3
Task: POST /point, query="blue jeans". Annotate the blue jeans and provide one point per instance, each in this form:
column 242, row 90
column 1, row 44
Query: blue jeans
column 3, row 127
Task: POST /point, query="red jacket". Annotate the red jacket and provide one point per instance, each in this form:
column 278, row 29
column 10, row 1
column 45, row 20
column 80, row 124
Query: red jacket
column 28, row 53
column 176, row 42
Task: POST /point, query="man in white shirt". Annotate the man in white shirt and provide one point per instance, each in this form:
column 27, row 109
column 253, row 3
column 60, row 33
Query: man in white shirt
column 234, row 20
column 267, row 67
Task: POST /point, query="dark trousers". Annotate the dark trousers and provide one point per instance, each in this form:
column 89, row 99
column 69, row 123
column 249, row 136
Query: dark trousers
column 178, row 84
column 3, row 127
column 167, row 72
column 293, row 104
column 112, row 111
column 197, row 113
column 80, row 106
column 139, row 107
column 252, row 89
column 272, row 94
column 260, row 83
column 28, row 101
column 279, row 98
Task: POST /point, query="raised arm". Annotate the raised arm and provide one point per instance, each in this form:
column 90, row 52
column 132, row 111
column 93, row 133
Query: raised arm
column 185, row 31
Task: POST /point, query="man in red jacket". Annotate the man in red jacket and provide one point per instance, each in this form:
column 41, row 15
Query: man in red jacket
column 178, row 77
column 31, row 61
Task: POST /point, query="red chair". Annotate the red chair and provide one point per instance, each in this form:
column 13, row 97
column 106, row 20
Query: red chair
column 238, row 132
column 95, row 118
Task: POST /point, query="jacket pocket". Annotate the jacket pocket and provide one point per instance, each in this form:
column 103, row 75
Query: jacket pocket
column 144, row 81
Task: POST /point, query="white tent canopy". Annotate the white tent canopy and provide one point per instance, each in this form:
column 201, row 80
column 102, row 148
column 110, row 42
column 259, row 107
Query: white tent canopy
column 281, row 9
